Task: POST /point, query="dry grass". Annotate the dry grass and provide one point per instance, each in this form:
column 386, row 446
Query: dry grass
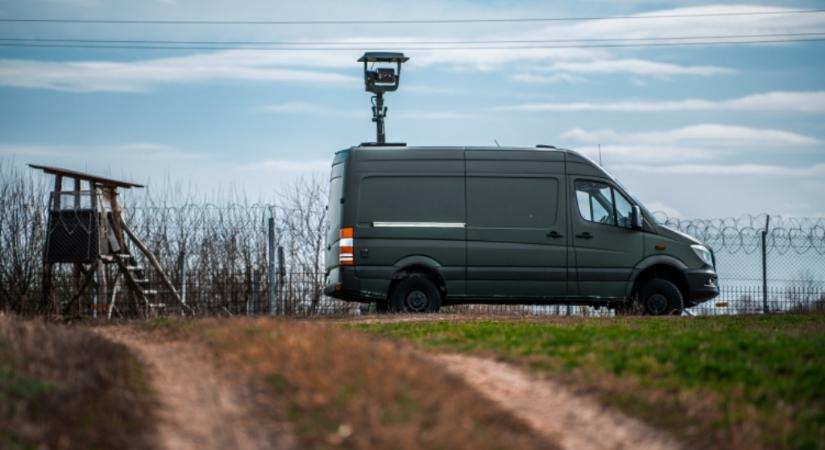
column 341, row 388
column 64, row 387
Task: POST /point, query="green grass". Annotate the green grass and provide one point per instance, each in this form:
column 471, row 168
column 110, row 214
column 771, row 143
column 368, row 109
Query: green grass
column 725, row 381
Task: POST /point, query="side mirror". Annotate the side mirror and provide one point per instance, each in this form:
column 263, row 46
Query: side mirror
column 636, row 218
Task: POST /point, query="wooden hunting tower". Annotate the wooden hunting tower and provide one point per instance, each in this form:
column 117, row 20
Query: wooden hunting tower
column 86, row 229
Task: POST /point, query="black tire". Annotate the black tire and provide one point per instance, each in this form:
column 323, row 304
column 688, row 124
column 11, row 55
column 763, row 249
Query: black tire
column 415, row 294
column 660, row 297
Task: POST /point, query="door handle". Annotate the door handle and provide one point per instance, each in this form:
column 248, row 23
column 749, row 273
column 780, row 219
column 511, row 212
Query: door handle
column 585, row 235
column 554, row 234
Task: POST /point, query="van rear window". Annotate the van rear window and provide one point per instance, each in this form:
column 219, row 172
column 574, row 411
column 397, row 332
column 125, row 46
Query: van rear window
column 411, row 199
column 512, row 202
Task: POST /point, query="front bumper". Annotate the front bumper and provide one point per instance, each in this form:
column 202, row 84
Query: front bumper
column 703, row 285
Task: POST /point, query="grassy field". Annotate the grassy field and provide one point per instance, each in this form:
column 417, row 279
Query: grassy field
column 65, row 387
column 726, row 382
column 732, row 382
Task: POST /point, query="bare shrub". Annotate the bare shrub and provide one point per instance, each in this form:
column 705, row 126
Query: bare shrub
column 22, row 232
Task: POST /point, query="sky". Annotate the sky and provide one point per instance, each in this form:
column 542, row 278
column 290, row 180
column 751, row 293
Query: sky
column 695, row 131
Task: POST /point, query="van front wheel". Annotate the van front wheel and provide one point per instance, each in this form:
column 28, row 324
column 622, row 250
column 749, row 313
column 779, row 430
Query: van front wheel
column 661, row 297
column 415, row 294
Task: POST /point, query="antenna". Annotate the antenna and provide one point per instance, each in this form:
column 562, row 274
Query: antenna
column 378, row 80
column 496, row 141
column 600, row 155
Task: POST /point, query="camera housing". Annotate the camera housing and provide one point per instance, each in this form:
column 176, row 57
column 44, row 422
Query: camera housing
column 386, row 76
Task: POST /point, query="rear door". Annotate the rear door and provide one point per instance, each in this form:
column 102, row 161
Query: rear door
column 516, row 229
column 334, row 212
column 606, row 246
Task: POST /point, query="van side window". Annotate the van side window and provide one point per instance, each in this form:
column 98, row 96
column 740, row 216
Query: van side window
column 595, row 201
column 599, row 202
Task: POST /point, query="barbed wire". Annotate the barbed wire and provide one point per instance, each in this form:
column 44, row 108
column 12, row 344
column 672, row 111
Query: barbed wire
column 743, row 234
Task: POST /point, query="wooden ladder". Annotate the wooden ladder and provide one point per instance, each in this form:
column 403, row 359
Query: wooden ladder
column 136, row 279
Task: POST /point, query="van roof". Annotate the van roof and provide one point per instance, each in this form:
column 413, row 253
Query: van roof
column 569, row 155
column 390, row 147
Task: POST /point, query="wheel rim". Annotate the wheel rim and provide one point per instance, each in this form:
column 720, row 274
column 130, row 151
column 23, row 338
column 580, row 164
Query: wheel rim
column 657, row 304
column 417, row 301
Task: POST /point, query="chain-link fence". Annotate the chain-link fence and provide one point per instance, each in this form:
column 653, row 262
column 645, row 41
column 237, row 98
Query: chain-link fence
column 765, row 263
column 222, row 259
column 218, row 258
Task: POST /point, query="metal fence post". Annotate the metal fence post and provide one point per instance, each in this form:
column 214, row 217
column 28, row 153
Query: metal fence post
column 256, row 294
column 281, row 273
column 270, row 272
column 765, row 308
column 183, row 279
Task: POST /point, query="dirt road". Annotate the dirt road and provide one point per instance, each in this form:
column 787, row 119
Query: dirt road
column 572, row 421
column 203, row 407
column 200, row 407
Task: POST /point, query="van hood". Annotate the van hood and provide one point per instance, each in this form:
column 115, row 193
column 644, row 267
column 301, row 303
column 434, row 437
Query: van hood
column 677, row 235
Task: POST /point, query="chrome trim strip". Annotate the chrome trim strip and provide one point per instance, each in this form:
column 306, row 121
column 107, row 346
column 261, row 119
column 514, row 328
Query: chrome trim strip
column 419, row 224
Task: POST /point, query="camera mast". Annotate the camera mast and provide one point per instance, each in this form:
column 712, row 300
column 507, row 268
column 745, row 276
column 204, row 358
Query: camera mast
column 382, row 72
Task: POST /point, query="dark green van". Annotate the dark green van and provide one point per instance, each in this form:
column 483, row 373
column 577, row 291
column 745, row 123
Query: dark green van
column 415, row 228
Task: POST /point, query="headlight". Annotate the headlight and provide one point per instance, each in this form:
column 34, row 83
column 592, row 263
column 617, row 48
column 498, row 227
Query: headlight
column 703, row 253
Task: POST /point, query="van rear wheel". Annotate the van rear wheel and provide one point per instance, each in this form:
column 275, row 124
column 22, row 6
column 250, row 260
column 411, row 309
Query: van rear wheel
column 660, row 297
column 415, row 294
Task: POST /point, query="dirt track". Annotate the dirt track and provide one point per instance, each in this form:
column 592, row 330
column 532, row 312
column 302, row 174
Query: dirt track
column 572, row 421
column 200, row 407
column 204, row 408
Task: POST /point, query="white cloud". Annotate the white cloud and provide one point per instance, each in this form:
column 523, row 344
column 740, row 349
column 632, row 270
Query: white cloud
column 303, row 67
column 712, row 22
column 435, row 90
column 437, row 115
column 564, row 64
column 816, row 170
column 142, row 75
column 778, row 101
column 697, row 142
column 709, row 134
column 313, row 109
column 555, row 78
column 287, row 166
column 154, row 164
column 488, row 60
column 612, row 153
column 122, row 151
column 638, row 67
column 573, row 71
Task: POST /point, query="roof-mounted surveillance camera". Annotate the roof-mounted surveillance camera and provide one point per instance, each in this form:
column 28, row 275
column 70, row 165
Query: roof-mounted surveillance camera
column 382, row 73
